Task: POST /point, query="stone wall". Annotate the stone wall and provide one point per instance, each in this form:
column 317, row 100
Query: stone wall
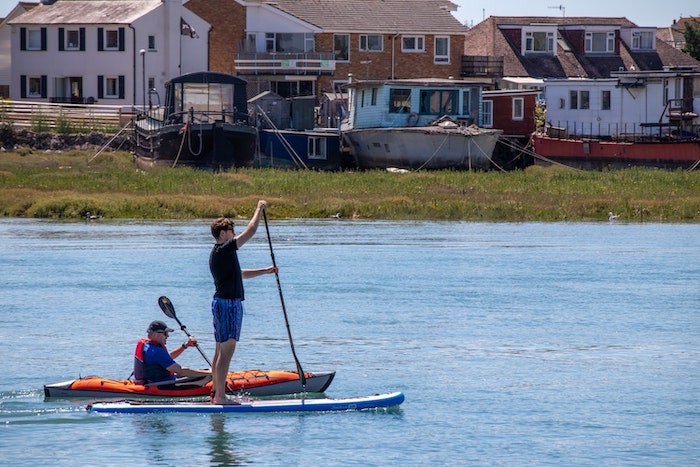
column 11, row 140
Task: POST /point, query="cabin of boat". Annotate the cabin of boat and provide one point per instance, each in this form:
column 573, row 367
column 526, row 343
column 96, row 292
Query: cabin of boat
column 204, row 124
column 426, row 123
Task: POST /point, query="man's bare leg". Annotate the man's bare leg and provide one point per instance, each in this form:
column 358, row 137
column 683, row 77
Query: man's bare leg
column 220, row 365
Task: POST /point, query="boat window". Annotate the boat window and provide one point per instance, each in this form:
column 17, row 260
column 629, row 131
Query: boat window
column 211, row 101
column 466, row 103
column 487, row 114
column 438, row 102
column 518, row 108
column 317, row 148
column 400, row 101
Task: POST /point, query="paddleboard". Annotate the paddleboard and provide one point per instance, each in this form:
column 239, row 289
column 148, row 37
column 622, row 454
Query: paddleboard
column 272, row 405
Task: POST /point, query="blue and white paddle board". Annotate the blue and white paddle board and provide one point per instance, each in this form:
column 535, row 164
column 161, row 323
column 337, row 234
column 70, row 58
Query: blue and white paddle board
column 273, row 405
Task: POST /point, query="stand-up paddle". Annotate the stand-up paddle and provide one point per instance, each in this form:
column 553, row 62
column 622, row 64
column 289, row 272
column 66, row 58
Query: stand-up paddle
column 167, row 306
column 302, row 377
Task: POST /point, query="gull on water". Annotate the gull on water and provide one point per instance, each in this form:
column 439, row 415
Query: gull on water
column 612, row 217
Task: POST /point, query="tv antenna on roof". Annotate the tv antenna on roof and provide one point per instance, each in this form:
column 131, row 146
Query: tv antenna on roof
column 562, row 8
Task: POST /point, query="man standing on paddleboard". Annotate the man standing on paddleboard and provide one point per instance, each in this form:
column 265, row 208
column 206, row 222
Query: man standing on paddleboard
column 227, row 304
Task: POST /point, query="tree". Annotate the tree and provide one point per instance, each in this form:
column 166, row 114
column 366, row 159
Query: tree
column 691, row 34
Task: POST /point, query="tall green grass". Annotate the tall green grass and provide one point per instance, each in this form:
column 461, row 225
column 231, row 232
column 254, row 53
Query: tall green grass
column 66, row 186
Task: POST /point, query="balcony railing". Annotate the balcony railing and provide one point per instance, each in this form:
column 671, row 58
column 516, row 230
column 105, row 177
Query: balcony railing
column 478, row 66
column 309, row 63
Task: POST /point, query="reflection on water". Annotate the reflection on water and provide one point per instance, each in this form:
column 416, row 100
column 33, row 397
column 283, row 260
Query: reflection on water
column 222, row 443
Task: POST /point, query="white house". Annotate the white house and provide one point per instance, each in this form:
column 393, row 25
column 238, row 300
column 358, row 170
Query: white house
column 627, row 102
column 112, row 52
column 5, row 57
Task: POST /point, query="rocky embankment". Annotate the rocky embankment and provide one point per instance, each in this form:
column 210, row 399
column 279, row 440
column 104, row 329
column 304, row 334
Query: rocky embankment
column 45, row 141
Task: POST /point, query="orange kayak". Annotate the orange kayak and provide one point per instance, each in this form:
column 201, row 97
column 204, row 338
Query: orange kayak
column 251, row 382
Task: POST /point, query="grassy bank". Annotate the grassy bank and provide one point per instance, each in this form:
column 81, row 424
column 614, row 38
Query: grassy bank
column 66, row 186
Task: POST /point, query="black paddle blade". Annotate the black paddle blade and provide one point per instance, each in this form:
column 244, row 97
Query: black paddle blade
column 167, row 306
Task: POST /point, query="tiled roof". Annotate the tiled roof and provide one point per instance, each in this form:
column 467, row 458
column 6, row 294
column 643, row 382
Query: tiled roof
column 562, row 21
column 88, row 12
column 384, row 16
column 487, row 39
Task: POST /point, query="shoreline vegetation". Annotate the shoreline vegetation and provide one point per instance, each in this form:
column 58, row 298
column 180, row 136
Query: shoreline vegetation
column 72, row 184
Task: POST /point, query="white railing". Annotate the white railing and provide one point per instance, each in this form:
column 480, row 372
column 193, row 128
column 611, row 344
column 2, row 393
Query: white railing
column 310, row 63
column 52, row 117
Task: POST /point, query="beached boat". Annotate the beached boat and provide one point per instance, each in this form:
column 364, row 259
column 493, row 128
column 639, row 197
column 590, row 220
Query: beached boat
column 291, row 134
column 601, row 153
column 418, row 124
column 204, row 124
column 252, row 382
column 633, row 118
column 318, row 149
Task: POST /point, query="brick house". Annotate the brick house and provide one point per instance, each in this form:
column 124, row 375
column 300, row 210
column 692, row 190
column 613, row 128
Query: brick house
column 534, row 48
column 303, row 47
column 673, row 35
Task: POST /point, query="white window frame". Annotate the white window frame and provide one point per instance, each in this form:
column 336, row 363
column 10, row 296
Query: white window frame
column 107, row 91
column 487, row 114
column 366, row 45
column 605, row 99
column 643, row 40
column 152, row 46
column 548, row 42
column 443, row 59
column 609, row 42
column 309, row 42
column 317, row 148
column 67, row 35
column 107, row 33
column 33, row 39
column 466, row 102
column 347, row 45
column 416, row 44
column 30, row 92
column 518, row 110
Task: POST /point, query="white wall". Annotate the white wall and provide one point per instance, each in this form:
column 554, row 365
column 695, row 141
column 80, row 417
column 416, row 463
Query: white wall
column 262, row 18
column 5, row 45
column 173, row 55
column 629, row 106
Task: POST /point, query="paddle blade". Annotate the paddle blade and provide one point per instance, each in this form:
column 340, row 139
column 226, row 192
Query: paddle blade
column 167, row 306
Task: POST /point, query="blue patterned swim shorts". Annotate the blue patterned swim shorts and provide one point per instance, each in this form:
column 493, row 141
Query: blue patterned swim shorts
column 228, row 317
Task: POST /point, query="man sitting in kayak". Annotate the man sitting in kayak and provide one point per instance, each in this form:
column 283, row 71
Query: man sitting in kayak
column 154, row 364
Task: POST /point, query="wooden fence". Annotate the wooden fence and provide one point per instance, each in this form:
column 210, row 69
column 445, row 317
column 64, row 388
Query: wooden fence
column 43, row 116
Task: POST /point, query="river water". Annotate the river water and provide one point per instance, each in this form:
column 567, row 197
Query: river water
column 515, row 344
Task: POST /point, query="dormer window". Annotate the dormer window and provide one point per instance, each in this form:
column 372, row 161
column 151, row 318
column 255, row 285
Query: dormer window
column 643, row 40
column 539, row 41
column 600, row 42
